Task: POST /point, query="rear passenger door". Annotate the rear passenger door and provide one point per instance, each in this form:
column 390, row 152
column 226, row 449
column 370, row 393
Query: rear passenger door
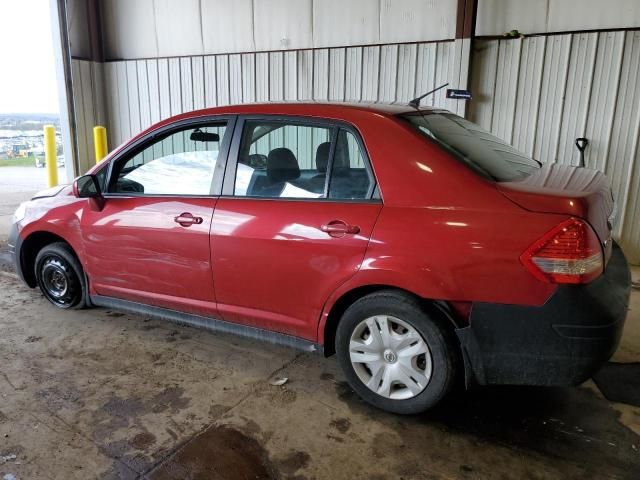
column 293, row 223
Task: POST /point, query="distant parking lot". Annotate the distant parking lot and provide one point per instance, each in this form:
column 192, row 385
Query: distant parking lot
column 26, row 179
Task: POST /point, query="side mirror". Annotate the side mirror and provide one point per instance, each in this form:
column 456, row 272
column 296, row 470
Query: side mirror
column 87, row 186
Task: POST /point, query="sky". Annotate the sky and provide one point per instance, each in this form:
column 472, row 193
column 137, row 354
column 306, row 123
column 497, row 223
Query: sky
column 27, row 71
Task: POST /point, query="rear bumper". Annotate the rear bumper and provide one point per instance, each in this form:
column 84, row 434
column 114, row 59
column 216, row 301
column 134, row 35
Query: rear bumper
column 562, row 342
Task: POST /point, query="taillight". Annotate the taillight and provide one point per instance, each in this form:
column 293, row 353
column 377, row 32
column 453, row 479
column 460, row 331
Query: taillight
column 570, row 253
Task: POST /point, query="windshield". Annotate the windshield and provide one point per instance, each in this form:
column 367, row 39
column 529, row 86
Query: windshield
column 479, row 149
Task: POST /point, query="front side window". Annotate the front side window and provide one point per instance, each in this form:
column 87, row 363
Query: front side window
column 289, row 160
column 180, row 163
column 101, row 176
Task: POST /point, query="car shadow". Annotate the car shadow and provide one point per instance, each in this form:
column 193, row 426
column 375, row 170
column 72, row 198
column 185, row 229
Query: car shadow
column 574, row 424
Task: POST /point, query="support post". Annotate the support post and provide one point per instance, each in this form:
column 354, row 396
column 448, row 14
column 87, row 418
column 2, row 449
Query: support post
column 100, row 142
column 51, row 159
column 465, row 32
column 62, row 56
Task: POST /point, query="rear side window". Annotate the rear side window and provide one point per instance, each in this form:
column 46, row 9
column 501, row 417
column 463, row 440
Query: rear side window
column 483, row 152
column 350, row 178
column 281, row 159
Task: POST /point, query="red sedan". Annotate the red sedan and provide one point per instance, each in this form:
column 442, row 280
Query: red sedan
column 419, row 248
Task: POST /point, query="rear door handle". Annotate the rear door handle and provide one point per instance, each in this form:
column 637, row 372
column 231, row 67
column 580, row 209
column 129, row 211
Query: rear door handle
column 338, row 228
column 187, row 219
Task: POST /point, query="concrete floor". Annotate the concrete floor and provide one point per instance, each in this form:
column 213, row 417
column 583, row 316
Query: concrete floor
column 98, row 394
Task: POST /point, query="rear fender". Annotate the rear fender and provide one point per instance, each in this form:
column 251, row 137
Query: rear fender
column 380, row 277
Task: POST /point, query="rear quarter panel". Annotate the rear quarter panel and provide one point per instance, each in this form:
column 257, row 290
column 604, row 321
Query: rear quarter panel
column 444, row 232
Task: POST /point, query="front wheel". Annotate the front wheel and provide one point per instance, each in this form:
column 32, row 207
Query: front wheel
column 395, row 355
column 60, row 276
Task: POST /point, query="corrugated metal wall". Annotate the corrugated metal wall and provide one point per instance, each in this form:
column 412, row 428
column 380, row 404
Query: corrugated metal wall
column 496, row 17
column 88, row 100
column 167, row 28
column 542, row 92
column 538, row 93
column 142, row 92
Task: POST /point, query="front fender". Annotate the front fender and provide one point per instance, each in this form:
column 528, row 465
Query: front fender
column 59, row 216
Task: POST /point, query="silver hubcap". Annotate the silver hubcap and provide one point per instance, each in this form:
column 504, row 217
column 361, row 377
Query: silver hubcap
column 390, row 357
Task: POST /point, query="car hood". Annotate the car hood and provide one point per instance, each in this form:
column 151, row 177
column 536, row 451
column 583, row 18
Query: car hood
column 49, row 192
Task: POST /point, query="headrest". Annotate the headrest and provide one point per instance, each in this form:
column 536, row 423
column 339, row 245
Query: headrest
column 282, row 165
column 341, row 163
column 257, row 160
column 322, row 156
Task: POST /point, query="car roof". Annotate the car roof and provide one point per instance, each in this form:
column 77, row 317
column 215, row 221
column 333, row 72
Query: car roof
column 310, row 108
column 307, row 107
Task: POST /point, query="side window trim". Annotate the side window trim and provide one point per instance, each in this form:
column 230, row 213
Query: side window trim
column 368, row 167
column 141, row 144
column 228, row 184
column 332, row 153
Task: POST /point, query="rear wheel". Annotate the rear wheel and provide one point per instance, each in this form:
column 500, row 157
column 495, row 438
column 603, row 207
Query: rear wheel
column 395, row 354
column 60, row 276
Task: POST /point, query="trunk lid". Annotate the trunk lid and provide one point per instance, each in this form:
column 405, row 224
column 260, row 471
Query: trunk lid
column 563, row 189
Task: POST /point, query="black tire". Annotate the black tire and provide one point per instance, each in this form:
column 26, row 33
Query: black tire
column 434, row 331
column 60, row 276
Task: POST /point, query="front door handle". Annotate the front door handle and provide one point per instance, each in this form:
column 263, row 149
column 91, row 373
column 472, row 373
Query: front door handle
column 187, row 219
column 338, row 228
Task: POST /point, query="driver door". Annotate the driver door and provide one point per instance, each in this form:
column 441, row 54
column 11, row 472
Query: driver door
column 150, row 241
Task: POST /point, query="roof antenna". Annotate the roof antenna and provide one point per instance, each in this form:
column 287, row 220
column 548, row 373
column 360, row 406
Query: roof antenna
column 415, row 103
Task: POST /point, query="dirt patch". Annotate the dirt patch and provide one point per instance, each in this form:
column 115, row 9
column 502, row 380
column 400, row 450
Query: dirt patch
column 123, row 407
column 171, row 398
column 121, row 452
column 335, row 438
column 6, row 259
column 293, row 462
column 60, row 396
column 341, row 424
column 220, row 453
column 570, row 423
column 143, row 440
column 172, row 336
column 216, row 411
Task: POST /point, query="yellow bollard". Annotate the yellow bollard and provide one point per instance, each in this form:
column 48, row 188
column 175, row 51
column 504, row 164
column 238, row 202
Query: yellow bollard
column 100, row 142
column 51, row 159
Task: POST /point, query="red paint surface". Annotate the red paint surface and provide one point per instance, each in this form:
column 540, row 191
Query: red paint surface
column 441, row 232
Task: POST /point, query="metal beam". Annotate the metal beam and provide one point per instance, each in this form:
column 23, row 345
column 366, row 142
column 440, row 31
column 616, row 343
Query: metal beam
column 466, row 18
column 59, row 31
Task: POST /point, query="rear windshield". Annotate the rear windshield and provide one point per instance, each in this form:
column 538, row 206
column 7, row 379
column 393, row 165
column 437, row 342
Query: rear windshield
column 480, row 150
